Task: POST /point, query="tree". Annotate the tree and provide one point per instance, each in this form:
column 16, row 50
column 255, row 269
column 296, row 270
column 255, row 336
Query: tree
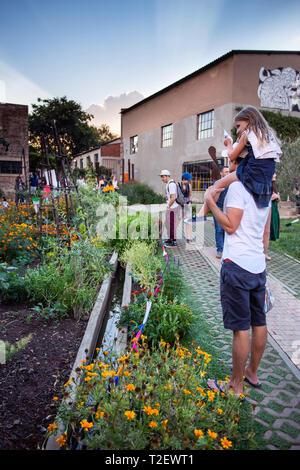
column 105, row 134
column 72, row 125
column 288, row 170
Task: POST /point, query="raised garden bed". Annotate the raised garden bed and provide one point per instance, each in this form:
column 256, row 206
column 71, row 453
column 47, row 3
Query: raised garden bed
column 32, row 381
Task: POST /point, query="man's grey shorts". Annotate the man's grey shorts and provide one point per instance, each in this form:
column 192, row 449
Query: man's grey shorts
column 242, row 297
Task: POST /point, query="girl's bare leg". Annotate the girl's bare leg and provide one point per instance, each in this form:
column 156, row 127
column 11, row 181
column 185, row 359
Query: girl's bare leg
column 221, row 183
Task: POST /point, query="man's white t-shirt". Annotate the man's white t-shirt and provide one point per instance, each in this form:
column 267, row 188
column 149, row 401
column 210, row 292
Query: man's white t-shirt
column 245, row 246
column 171, row 188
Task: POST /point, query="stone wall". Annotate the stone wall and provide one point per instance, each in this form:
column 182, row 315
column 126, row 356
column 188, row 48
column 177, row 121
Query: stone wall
column 14, row 128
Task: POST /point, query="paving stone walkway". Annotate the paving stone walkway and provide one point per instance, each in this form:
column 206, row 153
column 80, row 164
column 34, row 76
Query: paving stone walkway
column 277, row 403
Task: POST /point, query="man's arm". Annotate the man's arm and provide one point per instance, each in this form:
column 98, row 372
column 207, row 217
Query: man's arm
column 266, row 236
column 172, row 199
column 229, row 221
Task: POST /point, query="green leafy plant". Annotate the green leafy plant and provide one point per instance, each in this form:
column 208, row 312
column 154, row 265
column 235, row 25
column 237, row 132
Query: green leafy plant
column 140, row 193
column 160, row 401
column 11, row 349
column 144, row 264
column 167, row 319
column 12, row 285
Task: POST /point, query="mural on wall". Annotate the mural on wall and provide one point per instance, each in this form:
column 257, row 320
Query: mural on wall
column 279, row 88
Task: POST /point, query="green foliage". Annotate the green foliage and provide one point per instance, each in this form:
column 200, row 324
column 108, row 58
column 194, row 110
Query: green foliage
column 167, row 319
column 161, row 402
column 69, row 280
column 71, row 121
column 144, row 264
column 288, row 170
column 140, row 193
column 12, row 285
column 11, row 349
column 289, row 239
column 287, row 128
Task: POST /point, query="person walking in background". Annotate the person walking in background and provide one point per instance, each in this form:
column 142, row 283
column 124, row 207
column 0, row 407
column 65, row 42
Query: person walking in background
column 114, row 182
column 34, row 182
column 186, row 187
column 219, row 231
column 275, row 218
column 19, row 190
column 173, row 208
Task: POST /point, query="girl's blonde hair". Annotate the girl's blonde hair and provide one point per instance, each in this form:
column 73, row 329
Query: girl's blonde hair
column 257, row 124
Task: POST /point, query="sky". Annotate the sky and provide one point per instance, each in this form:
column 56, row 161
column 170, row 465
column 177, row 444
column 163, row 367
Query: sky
column 112, row 53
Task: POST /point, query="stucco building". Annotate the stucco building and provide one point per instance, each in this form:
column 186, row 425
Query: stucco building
column 173, row 128
column 107, row 155
column 14, row 160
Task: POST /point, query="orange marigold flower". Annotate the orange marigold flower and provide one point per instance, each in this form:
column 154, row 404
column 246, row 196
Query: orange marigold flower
column 198, row 433
column 226, row 444
column 212, row 434
column 51, row 427
column 62, row 439
column 86, row 425
column 129, row 414
column 130, row 387
column 153, row 424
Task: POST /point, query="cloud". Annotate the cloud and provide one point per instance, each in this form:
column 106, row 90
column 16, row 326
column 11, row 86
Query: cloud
column 16, row 88
column 109, row 111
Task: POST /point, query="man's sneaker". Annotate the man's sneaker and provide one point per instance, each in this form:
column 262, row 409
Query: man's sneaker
column 219, row 254
column 170, row 244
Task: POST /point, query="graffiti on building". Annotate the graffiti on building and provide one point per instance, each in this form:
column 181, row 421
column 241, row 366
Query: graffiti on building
column 279, row 88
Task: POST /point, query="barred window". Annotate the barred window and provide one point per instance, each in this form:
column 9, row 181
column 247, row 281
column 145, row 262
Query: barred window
column 206, row 125
column 167, row 135
column 134, row 144
column 11, row 167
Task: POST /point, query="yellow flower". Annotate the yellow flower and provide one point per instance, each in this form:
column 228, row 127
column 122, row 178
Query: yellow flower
column 187, row 392
column 153, row 424
column 164, row 423
column 168, row 387
column 211, row 395
column 55, row 398
column 129, row 414
column 226, row 444
column 62, row 439
column 212, row 434
column 127, row 373
column 51, row 427
column 130, row 387
column 198, row 433
column 220, row 411
column 99, row 414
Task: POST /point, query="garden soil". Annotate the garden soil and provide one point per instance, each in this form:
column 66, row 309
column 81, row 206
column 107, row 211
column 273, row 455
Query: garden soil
column 34, row 375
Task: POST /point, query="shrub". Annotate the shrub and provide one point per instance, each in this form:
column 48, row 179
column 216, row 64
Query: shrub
column 166, row 320
column 140, row 193
column 159, row 401
column 70, row 278
column 144, row 264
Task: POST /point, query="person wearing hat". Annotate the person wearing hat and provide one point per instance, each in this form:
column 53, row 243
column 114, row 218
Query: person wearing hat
column 173, row 208
column 186, row 187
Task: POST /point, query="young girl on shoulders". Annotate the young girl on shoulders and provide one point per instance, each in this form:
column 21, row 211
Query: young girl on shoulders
column 260, row 149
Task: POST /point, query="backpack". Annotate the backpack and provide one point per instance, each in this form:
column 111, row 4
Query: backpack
column 180, row 197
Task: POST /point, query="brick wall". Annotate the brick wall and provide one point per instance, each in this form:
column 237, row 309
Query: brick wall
column 14, row 128
column 111, row 150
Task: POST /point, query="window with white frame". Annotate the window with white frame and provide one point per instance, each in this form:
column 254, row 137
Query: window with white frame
column 206, row 125
column 134, row 144
column 167, row 135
